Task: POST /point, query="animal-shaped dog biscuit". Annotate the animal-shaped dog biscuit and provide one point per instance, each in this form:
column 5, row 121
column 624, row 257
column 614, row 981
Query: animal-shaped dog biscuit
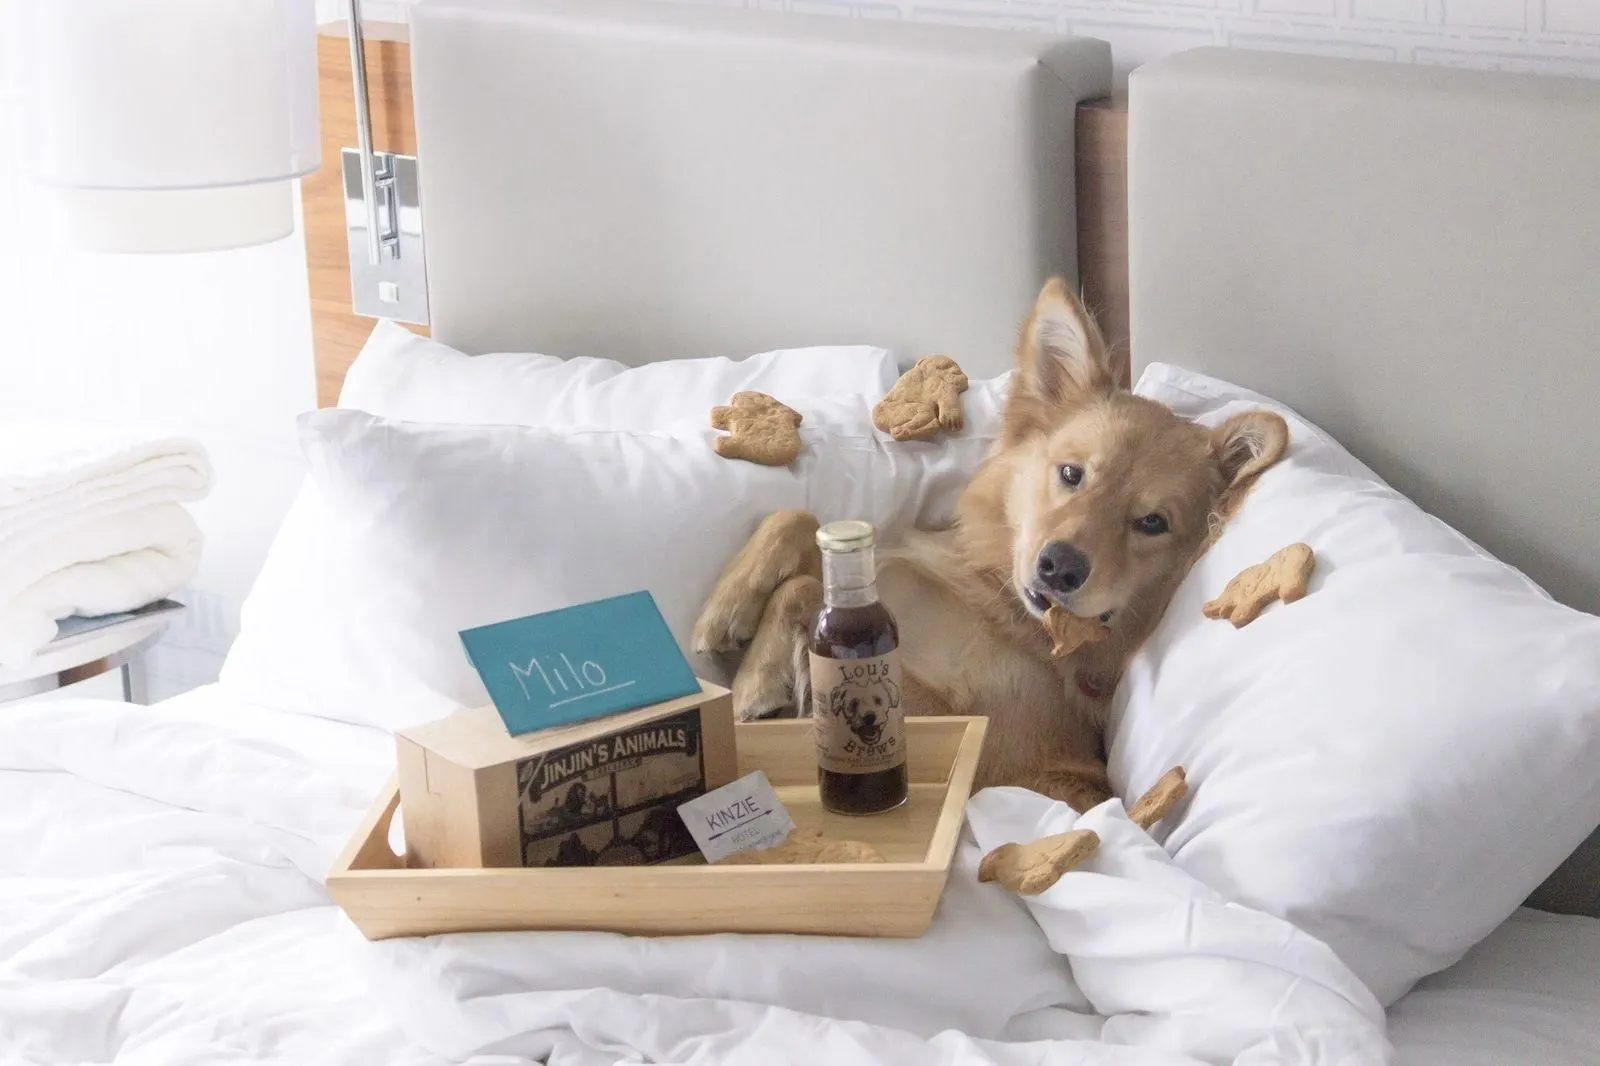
column 760, row 430
column 1285, row 576
column 1029, row 869
column 1069, row 632
column 926, row 399
column 806, row 846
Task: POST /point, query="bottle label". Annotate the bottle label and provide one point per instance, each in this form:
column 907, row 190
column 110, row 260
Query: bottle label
column 857, row 713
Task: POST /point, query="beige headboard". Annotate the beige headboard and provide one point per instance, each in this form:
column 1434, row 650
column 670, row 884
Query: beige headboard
column 1410, row 257
column 648, row 181
column 1001, row 156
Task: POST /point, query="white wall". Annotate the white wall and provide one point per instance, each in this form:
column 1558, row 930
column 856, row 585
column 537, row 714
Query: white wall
column 215, row 346
column 1549, row 36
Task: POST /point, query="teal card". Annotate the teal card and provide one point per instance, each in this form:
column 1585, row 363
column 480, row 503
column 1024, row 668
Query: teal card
column 579, row 663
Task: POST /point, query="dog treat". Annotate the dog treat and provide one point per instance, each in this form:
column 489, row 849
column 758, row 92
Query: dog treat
column 806, row 846
column 1157, row 803
column 1284, row 577
column 1029, row 869
column 760, row 430
column 926, row 399
column 1069, row 632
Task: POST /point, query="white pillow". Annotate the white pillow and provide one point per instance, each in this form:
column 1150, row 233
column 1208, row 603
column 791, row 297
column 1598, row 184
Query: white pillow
column 1392, row 763
column 401, row 374
column 434, row 528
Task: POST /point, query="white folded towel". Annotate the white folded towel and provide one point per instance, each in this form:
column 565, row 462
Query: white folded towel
column 91, row 522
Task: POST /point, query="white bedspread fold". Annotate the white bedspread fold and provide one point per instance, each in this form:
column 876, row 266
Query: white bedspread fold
column 1169, row 972
column 160, row 903
column 91, row 522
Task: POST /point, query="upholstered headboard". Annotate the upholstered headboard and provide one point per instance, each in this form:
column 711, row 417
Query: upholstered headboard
column 1026, row 64
column 1410, row 257
column 648, row 181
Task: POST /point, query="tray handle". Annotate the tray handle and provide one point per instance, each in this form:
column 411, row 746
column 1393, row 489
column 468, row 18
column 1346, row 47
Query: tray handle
column 369, row 848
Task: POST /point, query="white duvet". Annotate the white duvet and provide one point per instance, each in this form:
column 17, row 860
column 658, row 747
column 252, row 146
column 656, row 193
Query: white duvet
column 161, row 902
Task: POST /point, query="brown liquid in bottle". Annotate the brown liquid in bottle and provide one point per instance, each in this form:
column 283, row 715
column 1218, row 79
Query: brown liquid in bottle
column 856, row 688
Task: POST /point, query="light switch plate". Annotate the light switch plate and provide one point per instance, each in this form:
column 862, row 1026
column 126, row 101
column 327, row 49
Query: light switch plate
column 396, row 287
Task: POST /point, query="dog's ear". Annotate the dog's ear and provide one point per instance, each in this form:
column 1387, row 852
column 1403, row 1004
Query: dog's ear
column 1247, row 444
column 1061, row 360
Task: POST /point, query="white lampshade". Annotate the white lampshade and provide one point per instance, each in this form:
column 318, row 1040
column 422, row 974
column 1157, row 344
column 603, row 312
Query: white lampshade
column 170, row 125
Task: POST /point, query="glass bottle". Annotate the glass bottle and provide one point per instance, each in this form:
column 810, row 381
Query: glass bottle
column 857, row 693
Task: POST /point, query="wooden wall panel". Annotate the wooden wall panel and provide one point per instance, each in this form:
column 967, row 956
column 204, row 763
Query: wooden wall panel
column 1102, row 176
column 338, row 332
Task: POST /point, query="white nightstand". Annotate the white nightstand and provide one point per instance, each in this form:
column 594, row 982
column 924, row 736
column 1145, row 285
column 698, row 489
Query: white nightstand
column 80, row 656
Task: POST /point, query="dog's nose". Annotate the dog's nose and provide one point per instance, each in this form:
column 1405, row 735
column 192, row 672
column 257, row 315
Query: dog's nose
column 1062, row 567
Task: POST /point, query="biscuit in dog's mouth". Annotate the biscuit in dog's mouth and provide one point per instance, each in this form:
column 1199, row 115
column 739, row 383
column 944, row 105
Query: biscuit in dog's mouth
column 1044, row 606
column 1069, row 632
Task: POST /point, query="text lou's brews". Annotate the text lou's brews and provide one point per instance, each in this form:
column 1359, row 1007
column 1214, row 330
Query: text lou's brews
column 856, row 690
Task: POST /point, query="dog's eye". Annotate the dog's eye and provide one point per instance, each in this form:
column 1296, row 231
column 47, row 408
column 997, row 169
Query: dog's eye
column 1152, row 525
column 1071, row 475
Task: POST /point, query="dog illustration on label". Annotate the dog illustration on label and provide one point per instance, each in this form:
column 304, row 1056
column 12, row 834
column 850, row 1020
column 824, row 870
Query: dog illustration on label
column 864, row 699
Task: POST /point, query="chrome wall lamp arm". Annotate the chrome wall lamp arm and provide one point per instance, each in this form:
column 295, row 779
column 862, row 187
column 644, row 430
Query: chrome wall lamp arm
column 383, row 211
column 369, row 168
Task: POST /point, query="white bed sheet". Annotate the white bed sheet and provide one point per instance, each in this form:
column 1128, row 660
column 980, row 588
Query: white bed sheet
column 1529, row 995
column 160, row 902
column 128, row 936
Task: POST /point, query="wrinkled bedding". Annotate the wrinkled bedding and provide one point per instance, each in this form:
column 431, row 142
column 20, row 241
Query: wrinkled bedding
column 161, row 902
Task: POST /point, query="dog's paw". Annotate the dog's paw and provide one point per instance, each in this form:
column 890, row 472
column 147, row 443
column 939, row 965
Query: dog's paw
column 1029, row 869
column 727, row 622
column 759, row 695
column 925, row 400
column 783, row 545
column 760, row 430
column 1285, row 577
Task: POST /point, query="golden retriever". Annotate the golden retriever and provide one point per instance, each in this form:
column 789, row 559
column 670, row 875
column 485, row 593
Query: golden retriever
column 1094, row 499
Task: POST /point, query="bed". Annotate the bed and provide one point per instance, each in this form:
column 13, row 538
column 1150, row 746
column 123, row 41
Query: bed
column 163, row 866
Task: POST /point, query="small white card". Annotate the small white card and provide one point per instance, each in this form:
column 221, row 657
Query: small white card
column 744, row 815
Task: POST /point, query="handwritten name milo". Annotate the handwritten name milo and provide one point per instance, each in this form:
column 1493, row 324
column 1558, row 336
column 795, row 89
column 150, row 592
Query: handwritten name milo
column 608, row 750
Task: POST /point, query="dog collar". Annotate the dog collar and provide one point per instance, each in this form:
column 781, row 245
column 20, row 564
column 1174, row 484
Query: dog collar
column 1089, row 687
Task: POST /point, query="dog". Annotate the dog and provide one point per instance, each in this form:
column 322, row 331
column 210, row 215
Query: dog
column 1093, row 500
column 865, row 705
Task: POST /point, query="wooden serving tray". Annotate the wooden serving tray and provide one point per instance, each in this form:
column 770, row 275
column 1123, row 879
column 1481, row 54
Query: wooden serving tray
column 895, row 898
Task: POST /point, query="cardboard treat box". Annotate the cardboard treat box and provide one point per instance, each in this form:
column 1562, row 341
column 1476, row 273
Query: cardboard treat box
column 598, row 793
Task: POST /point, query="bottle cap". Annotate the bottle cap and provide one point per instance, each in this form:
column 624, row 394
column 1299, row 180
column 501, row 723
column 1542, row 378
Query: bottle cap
column 847, row 536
